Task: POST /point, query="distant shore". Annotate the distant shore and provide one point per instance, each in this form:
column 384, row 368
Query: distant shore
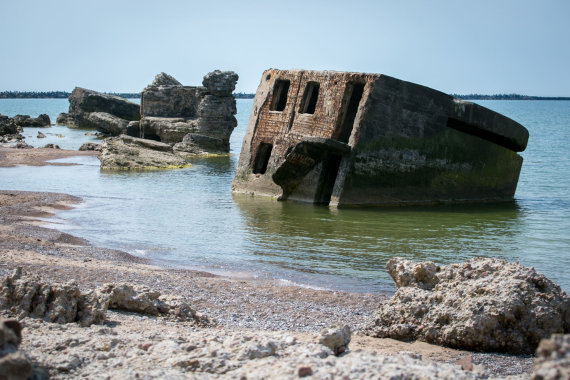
column 65, row 95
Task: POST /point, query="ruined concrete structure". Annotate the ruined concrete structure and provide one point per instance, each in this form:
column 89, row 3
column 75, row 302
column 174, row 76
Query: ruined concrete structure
column 194, row 119
column 354, row 139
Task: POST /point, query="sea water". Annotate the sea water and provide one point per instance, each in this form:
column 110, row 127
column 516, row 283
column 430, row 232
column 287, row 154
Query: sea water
column 188, row 218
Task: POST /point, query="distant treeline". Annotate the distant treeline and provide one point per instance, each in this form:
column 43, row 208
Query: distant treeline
column 507, row 97
column 243, row 95
column 65, row 94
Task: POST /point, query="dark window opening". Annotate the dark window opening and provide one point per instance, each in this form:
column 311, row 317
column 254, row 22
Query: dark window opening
column 262, row 158
column 310, row 97
column 279, row 99
column 356, row 90
column 327, row 180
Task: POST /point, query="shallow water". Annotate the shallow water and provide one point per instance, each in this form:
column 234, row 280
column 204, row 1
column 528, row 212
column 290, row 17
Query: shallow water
column 189, row 218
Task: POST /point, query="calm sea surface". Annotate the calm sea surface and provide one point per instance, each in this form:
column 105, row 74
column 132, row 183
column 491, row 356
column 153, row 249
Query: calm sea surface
column 188, row 217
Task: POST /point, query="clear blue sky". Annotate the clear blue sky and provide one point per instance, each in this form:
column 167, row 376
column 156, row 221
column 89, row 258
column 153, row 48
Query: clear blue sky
column 484, row 46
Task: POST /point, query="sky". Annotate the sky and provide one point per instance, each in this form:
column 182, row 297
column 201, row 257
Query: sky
column 455, row 46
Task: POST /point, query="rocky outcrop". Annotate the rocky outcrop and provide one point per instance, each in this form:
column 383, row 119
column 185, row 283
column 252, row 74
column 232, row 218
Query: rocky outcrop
column 107, row 123
column 26, row 121
column 164, row 79
column 553, row 359
column 90, row 146
column 195, row 120
column 27, row 296
column 131, row 153
column 484, row 304
column 94, row 110
column 140, row 299
column 10, row 132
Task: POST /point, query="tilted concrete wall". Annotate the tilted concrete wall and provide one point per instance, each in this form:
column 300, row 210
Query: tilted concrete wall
column 409, row 144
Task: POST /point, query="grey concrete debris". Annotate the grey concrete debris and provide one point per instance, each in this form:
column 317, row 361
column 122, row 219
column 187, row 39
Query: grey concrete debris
column 484, row 304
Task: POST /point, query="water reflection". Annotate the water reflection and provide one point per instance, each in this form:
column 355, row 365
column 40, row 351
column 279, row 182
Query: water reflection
column 356, row 243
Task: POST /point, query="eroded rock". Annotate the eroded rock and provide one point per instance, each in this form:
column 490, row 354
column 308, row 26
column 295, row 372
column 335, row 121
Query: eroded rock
column 94, row 110
column 337, row 339
column 196, row 120
column 42, row 120
column 553, row 359
column 164, row 79
column 90, row 146
column 131, row 153
column 27, row 296
column 484, row 304
column 141, row 299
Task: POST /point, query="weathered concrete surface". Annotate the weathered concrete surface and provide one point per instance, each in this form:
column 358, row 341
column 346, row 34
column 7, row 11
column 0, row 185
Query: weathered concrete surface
column 83, row 103
column 195, row 120
column 553, row 358
column 130, row 153
column 409, row 144
column 484, row 304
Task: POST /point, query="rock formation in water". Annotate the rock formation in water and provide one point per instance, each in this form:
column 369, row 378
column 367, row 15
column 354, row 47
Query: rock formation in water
column 94, row 110
column 484, row 304
column 131, row 153
column 26, row 121
column 359, row 139
column 195, row 120
column 10, row 132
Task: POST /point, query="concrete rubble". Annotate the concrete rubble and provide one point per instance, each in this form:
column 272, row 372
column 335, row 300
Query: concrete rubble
column 484, row 304
column 24, row 296
column 130, row 153
column 94, row 110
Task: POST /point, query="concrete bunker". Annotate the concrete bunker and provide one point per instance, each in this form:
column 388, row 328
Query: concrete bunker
column 357, row 139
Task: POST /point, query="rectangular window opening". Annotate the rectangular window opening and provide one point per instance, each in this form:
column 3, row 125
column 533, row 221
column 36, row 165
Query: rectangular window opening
column 355, row 91
column 279, row 99
column 262, row 158
column 310, row 97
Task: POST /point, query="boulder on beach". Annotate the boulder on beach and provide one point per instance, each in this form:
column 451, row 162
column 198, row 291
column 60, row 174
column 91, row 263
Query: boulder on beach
column 484, row 304
column 131, row 153
column 83, row 103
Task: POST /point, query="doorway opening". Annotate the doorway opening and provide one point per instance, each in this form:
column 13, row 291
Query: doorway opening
column 327, row 179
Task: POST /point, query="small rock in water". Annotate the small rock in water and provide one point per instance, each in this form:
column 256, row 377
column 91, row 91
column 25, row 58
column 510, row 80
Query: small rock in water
column 41, row 135
column 52, row 146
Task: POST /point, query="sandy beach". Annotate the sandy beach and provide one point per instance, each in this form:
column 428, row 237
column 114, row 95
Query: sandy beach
column 245, row 313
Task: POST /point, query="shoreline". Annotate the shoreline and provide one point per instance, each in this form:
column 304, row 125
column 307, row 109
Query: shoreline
column 240, row 307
